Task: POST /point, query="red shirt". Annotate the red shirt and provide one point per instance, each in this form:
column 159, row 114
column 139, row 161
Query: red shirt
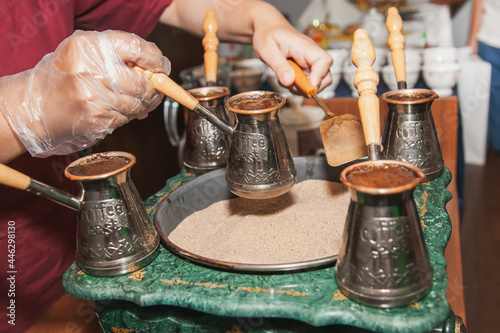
column 45, row 232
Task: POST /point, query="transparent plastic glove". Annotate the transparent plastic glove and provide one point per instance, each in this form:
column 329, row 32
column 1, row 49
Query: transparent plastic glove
column 81, row 92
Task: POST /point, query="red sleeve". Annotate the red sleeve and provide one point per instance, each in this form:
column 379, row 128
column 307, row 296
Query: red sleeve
column 136, row 16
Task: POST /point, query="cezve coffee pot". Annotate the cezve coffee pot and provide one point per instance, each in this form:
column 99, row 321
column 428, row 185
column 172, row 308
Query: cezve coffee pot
column 204, row 147
column 114, row 234
column 383, row 261
column 260, row 164
column 409, row 132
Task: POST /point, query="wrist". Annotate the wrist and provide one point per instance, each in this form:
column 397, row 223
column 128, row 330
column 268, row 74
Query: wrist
column 20, row 114
column 12, row 147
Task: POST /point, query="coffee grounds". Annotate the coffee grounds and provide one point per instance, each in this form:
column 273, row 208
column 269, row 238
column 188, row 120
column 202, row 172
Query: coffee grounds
column 381, row 176
column 410, row 97
column 98, row 165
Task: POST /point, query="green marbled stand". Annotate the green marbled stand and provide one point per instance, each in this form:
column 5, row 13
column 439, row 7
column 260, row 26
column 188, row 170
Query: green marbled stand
column 174, row 295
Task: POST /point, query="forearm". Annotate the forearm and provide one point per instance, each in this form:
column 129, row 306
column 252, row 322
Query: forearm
column 477, row 13
column 258, row 23
column 236, row 19
column 11, row 145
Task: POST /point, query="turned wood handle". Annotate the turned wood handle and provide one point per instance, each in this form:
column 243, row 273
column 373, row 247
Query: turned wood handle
column 396, row 42
column 169, row 88
column 302, row 81
column 366, row 81
column 210, row 43
column 13, row 178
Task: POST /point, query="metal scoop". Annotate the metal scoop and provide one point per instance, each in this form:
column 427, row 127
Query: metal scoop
column 342, row 135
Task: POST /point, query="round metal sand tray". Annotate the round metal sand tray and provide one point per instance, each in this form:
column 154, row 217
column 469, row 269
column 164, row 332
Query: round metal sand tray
column 211, row 187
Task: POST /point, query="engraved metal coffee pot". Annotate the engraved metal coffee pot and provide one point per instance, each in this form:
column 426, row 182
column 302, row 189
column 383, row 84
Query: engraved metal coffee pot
column 114, row 233
column 260, row 164
column 205, row 146
column 383, row 260
column 409, row 133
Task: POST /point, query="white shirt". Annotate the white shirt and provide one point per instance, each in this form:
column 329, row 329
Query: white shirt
column 489, row 32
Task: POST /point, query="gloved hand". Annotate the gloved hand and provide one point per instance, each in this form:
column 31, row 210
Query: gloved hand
column 82, row 91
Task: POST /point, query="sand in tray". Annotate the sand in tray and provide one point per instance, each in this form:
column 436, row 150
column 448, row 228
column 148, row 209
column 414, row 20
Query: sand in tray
column 304, row 224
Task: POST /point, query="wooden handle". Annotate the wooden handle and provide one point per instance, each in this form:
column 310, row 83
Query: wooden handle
column 210, row 43
column 366, row 81
column 13, row 178
column 302, row 81
column 396, row 42
column 169, row 88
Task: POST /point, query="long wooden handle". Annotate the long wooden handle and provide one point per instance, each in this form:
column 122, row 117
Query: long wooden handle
column 366, row 81
column 396, row 42
column 169, row 88
column 13, row 178
column 210, row 43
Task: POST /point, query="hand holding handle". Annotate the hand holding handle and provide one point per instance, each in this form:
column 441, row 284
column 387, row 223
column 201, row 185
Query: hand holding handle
column 210, row 43
column 396, row 42
column 169, row 88
column 366, row 81
column 302, row 81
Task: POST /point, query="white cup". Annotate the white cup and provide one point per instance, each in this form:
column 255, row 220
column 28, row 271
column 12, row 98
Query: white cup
column 389, row 77
column 440, row 55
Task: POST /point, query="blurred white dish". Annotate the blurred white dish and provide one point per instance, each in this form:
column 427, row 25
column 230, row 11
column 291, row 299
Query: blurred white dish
column 380, row 57
column 329, row 91
column 349, row 71
column 301, row 118
column 440, row 55
column 253, row 63
column 248, row 74
column 339, row 57
column 441, row 77
column 389, row 77
column 413, row 57
column 273, row 82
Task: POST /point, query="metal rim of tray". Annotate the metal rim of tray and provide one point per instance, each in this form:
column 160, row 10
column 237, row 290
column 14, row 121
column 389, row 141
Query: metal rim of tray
column 307, row 168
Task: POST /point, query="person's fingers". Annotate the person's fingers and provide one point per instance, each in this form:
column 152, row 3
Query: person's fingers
column 93, row 62
column 133, row 49
column 133, row 83
column 320, row 75
column 101, row 103
column 275, row 57
column 275, row 49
